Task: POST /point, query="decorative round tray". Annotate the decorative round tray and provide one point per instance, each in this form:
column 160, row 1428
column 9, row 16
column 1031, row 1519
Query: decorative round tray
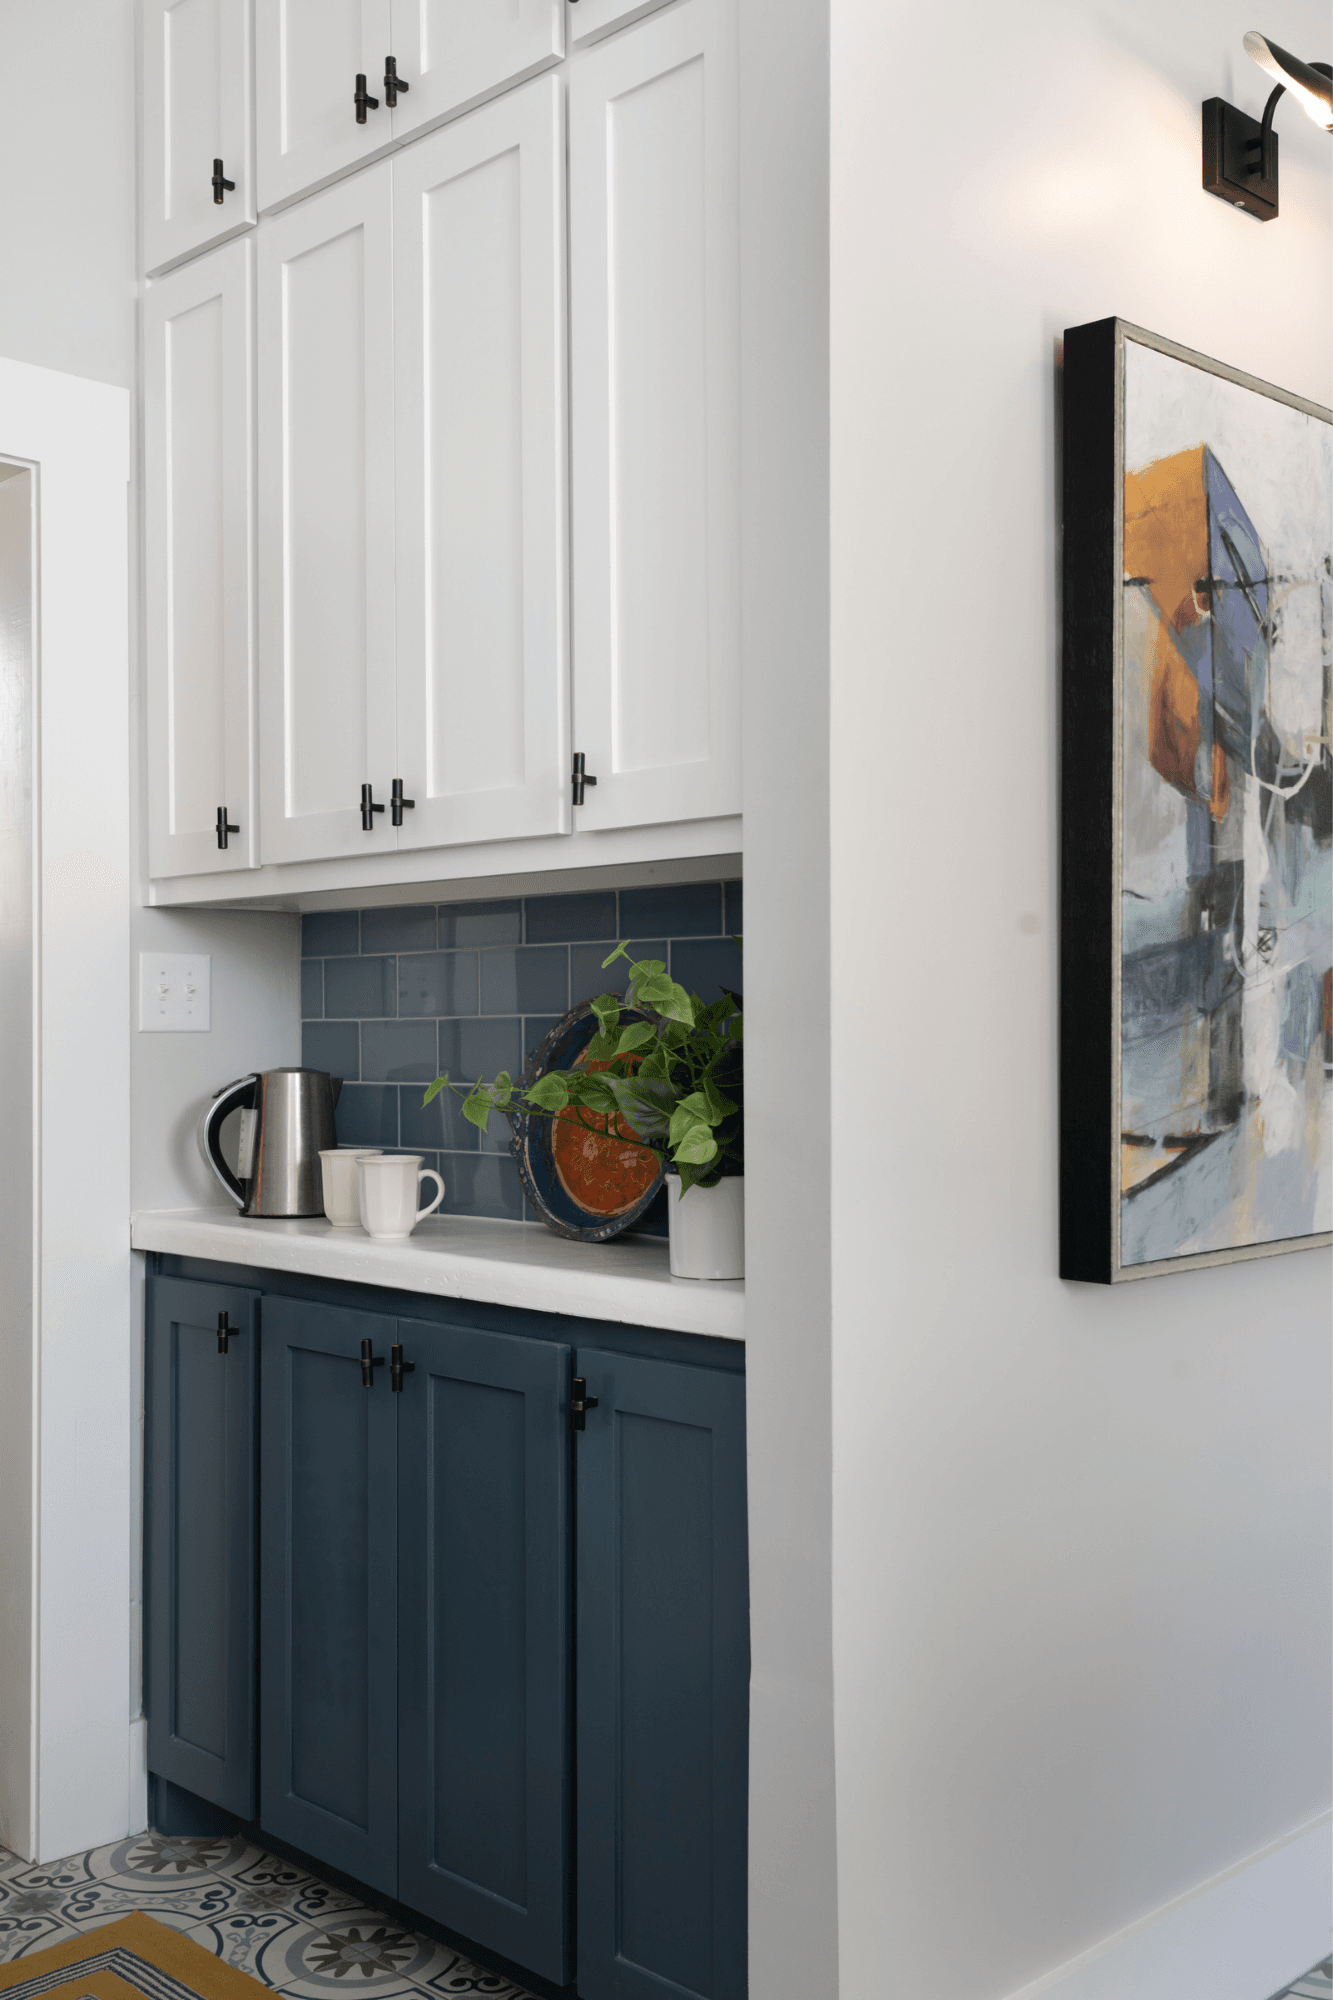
column 586, row 1185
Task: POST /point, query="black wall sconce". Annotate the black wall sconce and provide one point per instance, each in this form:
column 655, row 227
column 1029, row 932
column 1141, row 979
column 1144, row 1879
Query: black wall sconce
column 1240, row 152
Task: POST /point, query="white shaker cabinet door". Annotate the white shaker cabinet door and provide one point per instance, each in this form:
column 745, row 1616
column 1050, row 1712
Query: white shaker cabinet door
column 456, row 53
column 196, row 112
column 483, row 678
column 326, row 561
column 308, row 55
column 655, row 387
column 198, row 438
column 589, row 20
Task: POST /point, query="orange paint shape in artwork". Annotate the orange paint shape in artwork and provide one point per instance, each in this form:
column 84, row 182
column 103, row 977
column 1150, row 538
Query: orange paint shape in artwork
column 1173, row 728
column 1166, row 546
column 1166, row 531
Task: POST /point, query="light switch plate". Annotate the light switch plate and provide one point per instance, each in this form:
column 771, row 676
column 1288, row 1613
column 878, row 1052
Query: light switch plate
column 174, row 993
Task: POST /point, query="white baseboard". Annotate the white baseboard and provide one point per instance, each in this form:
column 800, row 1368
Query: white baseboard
column 138, row 1776
column 1241, row 1936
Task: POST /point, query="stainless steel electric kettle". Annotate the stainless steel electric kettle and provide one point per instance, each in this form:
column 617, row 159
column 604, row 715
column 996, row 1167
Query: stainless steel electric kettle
column 286, row 1122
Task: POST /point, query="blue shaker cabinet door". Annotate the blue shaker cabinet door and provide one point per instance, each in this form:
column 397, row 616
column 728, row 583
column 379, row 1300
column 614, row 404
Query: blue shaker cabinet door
column 329, row 1596
column 200, row 1520
column 484, row 1557
column 663, row 1682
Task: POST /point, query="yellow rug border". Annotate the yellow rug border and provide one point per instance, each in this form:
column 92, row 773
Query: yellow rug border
column 171, row 1952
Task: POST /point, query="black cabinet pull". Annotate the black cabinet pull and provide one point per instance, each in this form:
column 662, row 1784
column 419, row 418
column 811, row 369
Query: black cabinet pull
column 399, row 803
column 393, row 83
column 580, row 777
column 398, row 1368
column 369, row 809
column 361, row 101
column 369, row 1363
column 225, row 1331
column 220, row 185
column 580, row 1403
column 224, row 826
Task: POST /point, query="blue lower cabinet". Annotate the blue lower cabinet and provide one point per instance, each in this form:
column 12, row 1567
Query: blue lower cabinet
column 483, row 1676
column 329, row 1588
column 502, row 1664
column 199, row 1517
column 663, row 1682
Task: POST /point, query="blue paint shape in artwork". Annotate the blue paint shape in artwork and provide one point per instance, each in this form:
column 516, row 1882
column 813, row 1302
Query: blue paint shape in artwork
column 1239, row 620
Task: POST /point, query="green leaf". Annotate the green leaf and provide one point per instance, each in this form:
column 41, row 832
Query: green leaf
column 621, row 951
column 638, row 1035
column 655, row 1065
column 550, row 1093
column 736, row 1027
column 706, row 1175
column 720, row 1106
column 696, row 1147
column 602, row 1047
column 644, row 1106
column 607, row 1009
column 477, row 1106
column 434, row 1089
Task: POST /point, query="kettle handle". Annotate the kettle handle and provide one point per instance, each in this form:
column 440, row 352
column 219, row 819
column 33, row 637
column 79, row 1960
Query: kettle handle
column 229, row 1098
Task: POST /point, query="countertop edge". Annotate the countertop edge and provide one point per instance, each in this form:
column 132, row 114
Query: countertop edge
column 487, row 1274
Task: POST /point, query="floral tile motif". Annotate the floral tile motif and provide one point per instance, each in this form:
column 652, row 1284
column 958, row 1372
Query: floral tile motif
column 302, row 1959
column 23, row 1932
column 180, row 1904
column 364, row 1943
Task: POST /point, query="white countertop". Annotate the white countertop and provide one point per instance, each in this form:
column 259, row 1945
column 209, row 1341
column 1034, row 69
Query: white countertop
column 452, row 1257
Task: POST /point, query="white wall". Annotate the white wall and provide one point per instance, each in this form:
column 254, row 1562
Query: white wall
column 785, row 644
column 1081, row 1537
column 67, row 218
column 17, row 989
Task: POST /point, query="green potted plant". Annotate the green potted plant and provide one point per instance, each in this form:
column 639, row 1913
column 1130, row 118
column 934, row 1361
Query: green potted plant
column 668, row 1080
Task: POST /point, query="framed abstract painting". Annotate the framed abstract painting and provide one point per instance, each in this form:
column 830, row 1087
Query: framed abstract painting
column 1196, row 1002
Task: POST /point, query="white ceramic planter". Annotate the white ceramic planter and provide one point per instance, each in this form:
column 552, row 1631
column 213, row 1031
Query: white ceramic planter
column 707, row 1229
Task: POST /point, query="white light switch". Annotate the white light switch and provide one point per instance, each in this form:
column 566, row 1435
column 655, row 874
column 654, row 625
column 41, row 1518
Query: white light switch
column 174, row 993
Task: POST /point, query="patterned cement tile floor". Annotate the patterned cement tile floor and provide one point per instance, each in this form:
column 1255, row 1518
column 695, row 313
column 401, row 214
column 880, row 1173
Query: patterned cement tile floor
column 296, row 1934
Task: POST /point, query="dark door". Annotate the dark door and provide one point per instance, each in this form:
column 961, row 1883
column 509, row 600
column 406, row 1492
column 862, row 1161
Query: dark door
column 484, row 1553
column 663, row 1682
column 329, row 1595
column 200, row 1415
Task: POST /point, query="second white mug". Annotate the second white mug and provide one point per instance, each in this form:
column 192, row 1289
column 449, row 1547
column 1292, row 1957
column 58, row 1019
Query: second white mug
column 388, row 1187
column 342, row 1190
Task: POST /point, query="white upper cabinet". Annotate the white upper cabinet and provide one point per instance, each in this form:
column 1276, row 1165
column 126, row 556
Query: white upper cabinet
column 589, row 20
column 196, row 89
column 326, row 550
column 455, row 53
column 198, row 437
column 479, row 298
column 446, row 55
column 655, row 353
column 308, row 55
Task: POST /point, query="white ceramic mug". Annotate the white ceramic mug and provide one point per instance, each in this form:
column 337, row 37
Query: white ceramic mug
column 388, row 1185
column 342, row 1190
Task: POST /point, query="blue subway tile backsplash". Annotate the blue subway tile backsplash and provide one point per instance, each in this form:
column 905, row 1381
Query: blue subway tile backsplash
column 331, row 933
column 469, row 924
column 391, row 997
column 398, row 930
column 360, row 989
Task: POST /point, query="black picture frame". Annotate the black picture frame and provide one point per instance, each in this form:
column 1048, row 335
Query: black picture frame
column 1092, row 747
